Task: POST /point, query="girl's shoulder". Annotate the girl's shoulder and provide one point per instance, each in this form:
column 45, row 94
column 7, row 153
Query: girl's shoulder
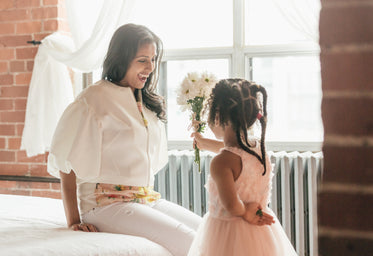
column 226, row 161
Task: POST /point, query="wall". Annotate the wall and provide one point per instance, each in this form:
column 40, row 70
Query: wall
column 21, row 21
column 345, row 202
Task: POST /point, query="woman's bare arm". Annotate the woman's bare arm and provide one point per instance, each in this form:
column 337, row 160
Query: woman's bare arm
column 70, row 203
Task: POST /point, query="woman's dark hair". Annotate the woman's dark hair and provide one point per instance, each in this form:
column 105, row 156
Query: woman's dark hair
column 123, row 47
column 235, row 101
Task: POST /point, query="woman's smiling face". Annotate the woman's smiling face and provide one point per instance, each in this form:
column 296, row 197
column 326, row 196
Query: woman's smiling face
column 140, row 67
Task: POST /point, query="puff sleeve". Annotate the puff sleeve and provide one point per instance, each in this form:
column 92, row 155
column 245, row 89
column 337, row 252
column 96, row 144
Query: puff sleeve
column 76, row 144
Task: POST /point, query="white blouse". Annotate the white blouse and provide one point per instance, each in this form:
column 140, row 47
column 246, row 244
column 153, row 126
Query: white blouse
column 102, row 137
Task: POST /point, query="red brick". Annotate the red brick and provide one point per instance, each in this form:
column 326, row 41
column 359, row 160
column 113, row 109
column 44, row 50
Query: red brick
column 7, row 156
column 27, row 3
column 6, row 104
column 13, row 41
column 44, row 13
column 28, row 27
column 351, row 209
column 56, row 186
column 8, row 184
column 14, row 169
column 15, row 192
column 338, row 246
column 352, row 165
column 40, row 36
column 15, row 15
column 50, row 2
column 40, row 185
column 14, row 91
column 33, row 185
column 346, row 25
column 22, row 158
column 2, row 143
column 345, row 116
column 6, row 79
column 22, row 185
column 12, row 116
column 26, row 53
column 23, row 78
column 39, row 170
column 30, row 65
column 14, row 143
column 50, row 25
column 3, row 67
column 6, row 4
column 49, row 194
column 19, row 129
column 17, row 66
column 7, row 28
column 6, row 54
column 347, row 71
column 20, row 104
column 7, row 130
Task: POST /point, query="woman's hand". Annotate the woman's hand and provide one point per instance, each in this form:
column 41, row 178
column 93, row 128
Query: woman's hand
column 254, row 215
column 84, row 227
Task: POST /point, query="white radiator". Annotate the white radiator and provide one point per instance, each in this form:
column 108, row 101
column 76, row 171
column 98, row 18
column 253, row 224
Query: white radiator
column 294, row 192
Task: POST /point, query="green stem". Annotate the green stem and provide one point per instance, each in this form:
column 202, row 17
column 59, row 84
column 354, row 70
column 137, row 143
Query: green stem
column 197, row 158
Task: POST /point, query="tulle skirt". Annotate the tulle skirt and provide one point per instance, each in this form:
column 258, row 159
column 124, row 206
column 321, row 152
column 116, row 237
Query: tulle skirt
column 236, row 237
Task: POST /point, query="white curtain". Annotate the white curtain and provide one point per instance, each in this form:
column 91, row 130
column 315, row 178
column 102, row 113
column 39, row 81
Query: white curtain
column 50, row 88
column 303, row 15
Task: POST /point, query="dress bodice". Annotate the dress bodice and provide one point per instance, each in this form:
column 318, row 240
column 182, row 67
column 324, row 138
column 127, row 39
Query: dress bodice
column 251, row 185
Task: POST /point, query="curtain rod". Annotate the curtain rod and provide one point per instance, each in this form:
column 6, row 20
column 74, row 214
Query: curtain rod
column 34, row 42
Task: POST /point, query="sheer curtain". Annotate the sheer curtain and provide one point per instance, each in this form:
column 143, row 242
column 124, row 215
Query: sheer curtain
column 50, row 88
column 303, row 15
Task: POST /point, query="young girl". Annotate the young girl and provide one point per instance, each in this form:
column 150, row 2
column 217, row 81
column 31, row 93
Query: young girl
column 240, row 179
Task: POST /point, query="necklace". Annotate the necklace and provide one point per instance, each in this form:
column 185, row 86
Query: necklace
column 139, row 106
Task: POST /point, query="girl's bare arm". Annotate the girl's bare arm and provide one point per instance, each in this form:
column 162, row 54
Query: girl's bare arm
column 207, row 144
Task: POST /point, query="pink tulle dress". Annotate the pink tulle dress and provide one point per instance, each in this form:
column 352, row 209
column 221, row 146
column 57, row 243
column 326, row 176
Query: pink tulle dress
column 222, row 234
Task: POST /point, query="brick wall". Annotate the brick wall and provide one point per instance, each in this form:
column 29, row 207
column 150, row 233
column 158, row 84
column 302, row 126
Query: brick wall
column 345, row 202
column 21, row 21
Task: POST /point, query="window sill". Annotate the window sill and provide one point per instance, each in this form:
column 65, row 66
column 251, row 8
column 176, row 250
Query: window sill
column 271, row 146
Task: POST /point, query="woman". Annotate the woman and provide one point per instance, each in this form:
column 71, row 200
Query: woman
column 108, row 146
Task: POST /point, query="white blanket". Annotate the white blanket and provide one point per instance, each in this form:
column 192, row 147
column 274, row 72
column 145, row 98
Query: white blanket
column 36, row 226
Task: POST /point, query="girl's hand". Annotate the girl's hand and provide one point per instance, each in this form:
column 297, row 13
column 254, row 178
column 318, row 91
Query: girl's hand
column 84, row 227
column 254, row 215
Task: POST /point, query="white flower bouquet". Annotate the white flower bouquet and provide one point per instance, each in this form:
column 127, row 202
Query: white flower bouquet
column 192, row 96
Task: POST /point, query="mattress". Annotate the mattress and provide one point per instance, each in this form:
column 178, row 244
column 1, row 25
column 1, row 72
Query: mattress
column 37, row 226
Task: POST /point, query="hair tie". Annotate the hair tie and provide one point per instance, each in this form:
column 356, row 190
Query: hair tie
column 259, row 116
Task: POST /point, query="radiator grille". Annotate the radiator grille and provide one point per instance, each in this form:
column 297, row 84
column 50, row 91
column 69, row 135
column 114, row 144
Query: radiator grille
column 294, row 192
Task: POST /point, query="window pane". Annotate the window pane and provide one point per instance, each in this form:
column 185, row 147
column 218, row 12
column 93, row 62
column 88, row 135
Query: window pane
column 178, row 121
column 294, row 97
column 265, row 24
column 187, row 24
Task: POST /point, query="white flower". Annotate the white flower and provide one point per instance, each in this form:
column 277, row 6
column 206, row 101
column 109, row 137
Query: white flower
column 195, row 85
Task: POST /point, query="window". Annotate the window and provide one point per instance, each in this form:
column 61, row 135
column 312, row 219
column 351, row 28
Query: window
column 240, row 38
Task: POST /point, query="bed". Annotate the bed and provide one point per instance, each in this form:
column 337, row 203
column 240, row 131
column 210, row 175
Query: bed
column 36, row 226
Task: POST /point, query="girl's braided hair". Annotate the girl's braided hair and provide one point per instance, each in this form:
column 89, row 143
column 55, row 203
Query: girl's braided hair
column 235, row 101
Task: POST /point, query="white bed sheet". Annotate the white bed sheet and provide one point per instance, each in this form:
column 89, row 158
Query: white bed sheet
column 36, row 226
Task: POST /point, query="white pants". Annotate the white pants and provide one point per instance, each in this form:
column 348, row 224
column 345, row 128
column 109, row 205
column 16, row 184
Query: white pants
column 163, row 222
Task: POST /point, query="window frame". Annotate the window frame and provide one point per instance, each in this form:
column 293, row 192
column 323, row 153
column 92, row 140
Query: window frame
column 238, row 56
